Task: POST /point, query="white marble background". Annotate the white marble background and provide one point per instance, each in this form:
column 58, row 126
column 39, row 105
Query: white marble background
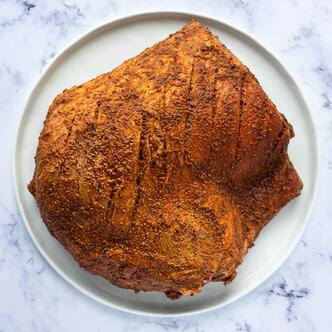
column 34, row 298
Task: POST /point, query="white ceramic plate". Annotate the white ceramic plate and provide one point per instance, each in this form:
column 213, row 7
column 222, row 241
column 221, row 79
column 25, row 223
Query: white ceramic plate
column 101, row 50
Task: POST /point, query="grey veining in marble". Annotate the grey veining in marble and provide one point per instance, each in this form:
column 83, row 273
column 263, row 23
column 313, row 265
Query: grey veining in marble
column 296, row 298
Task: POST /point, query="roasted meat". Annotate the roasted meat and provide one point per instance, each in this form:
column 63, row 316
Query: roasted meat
column 159, row 175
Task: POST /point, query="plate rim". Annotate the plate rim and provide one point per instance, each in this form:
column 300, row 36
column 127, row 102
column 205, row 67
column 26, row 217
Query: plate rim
column 141, row 16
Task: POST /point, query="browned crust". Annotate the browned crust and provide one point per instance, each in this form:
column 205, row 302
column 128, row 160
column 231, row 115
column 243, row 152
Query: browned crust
column 160, row 174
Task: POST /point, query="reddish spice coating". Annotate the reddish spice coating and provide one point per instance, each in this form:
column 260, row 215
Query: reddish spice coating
column 160, row 174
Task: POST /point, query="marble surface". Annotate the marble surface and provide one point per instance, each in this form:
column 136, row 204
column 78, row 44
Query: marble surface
column 296, row 298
